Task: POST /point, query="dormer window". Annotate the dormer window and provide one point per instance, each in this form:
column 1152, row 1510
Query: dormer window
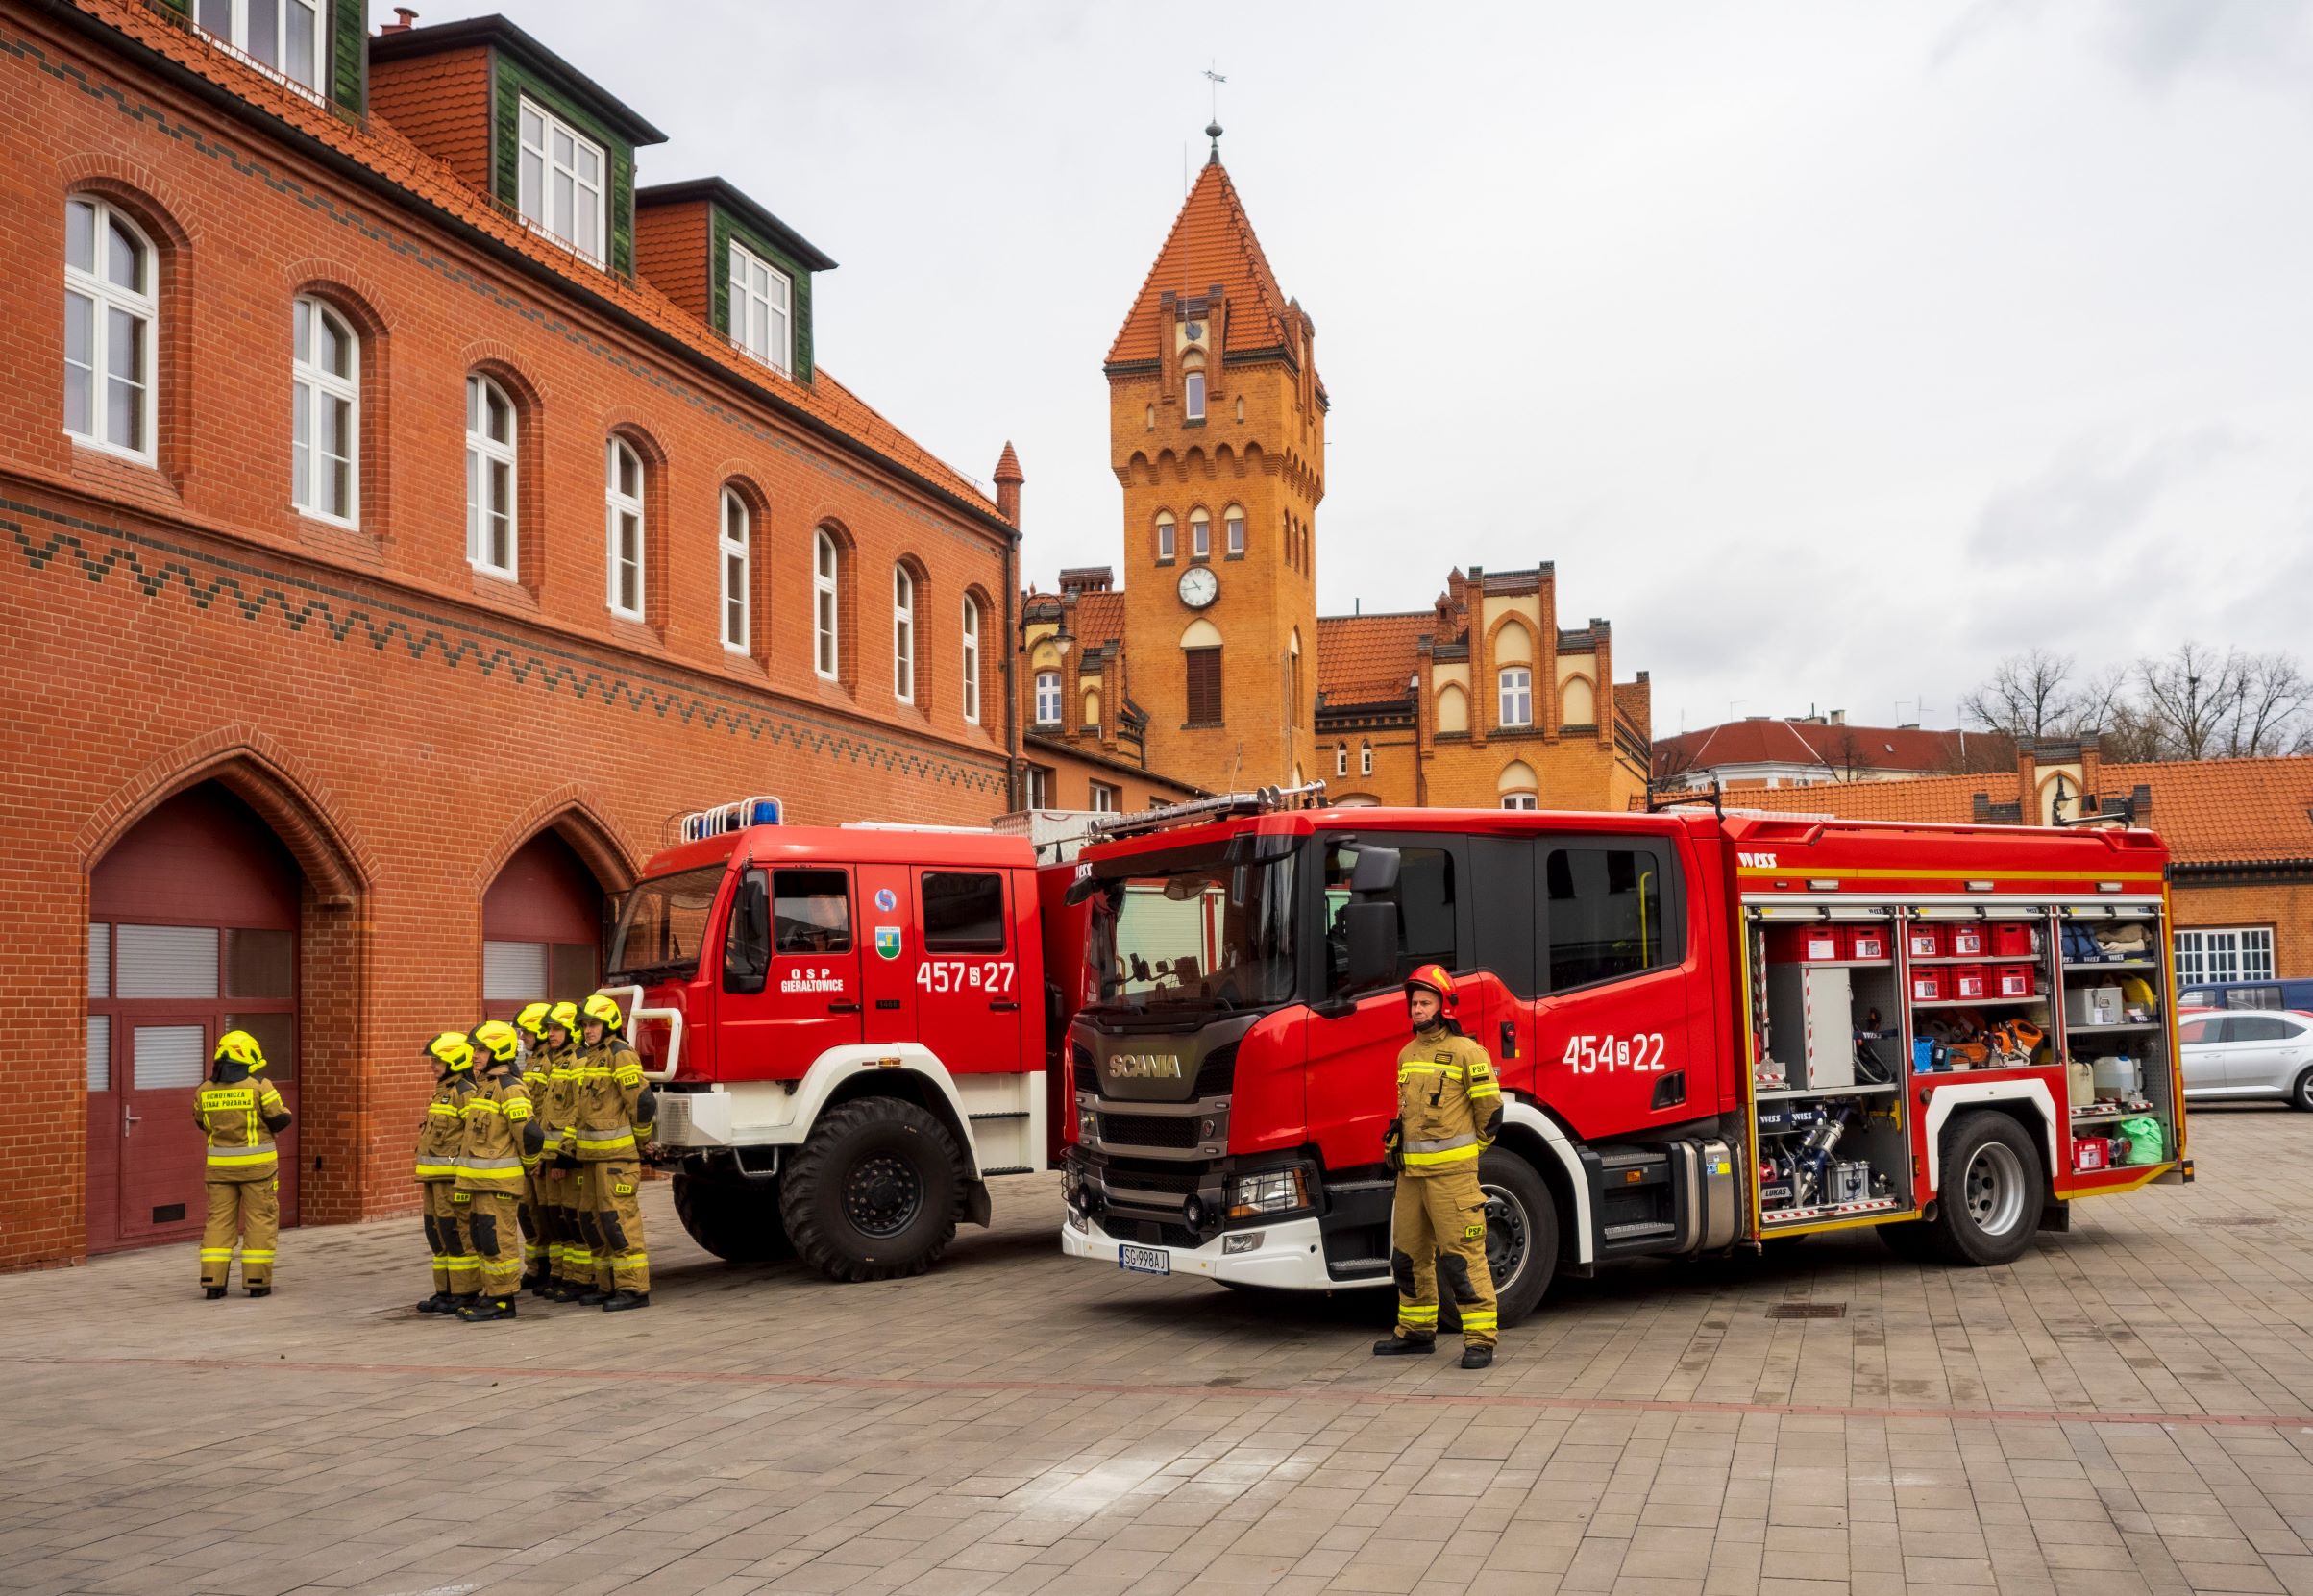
column 761, row 320
column 561, row 184
column 281, row 36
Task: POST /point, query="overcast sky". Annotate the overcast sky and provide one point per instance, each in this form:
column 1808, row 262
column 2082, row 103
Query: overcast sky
column 1831, row 350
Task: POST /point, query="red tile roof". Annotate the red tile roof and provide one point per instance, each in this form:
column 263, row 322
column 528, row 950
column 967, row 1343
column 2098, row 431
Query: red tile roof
column 1369, row 658
column 1100, row 619
column 1775, row 741
column 1210, row 241
column 427, row 181
column 1940, row 798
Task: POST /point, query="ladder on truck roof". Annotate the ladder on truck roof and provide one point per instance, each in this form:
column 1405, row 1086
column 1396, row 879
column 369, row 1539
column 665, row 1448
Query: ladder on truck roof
column 1058, row 835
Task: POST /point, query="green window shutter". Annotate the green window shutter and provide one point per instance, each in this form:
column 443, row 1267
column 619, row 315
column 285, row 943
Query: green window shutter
column 719, row 274
column 719, row 280
column 349, row 55
column 513, row 83
column 183, row 7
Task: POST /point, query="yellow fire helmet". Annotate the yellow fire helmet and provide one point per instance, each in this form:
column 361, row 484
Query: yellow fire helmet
column 453, row 1052
column 2137, row 989
column 533, row 1019
column 497, row 1039
column 241, row 1049
column 604, row 1009
column 564, row 1015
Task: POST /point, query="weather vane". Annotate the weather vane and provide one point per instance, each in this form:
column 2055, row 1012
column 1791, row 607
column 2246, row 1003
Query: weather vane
column 1212, row 127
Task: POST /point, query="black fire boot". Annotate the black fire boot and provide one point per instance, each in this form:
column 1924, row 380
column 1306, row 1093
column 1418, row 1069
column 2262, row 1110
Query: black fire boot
column 627, row 1299
column 1477, row 1357
column 1404, row 1346
column 261, row 1290
column 441, row 1302
column 483, row 1311
column 212, row 1294
column 594, row 1298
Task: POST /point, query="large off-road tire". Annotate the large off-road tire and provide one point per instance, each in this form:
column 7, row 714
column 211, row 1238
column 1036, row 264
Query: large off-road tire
column 1991, row 1188
column 739, row 1225
column 1521, row 1238
column 875, row 1190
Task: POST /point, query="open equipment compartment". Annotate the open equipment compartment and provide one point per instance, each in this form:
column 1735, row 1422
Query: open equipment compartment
column 2115, row 1031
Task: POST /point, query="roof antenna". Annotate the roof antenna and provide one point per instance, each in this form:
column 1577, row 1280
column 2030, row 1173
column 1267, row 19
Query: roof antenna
column 1212, row 127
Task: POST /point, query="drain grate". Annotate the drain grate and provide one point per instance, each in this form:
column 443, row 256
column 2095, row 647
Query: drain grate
column 1808, row 1310
column 2241, row 1221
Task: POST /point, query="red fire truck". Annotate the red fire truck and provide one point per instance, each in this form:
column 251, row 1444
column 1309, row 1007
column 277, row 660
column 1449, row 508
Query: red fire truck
column 1713, row 1031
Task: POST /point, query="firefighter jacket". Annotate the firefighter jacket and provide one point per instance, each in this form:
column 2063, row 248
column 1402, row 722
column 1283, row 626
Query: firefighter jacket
column 497, row 1147
column 554, row 1095
column 240, row 1115
column 443, row 1134
column 1449, row 1102
column 613, row 1106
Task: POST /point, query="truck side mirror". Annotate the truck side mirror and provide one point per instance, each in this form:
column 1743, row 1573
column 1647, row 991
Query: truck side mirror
column 1372, row 933
column 1375, row 872
column 747, row 944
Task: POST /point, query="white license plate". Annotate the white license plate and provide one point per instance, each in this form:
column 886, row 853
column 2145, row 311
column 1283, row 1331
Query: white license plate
column 1144, row 1260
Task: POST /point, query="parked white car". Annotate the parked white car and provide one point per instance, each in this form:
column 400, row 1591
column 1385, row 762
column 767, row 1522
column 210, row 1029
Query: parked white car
column 2248, row 1054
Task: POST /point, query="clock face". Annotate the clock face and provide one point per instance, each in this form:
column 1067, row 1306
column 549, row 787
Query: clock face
column 1199, row 587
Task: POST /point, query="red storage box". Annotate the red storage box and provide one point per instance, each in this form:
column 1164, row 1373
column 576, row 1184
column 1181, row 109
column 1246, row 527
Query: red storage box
column 1966, row 942
column 2011, row 939
column 1926, row 941
column 2013, row 981
column 2092, row 1152
column 1970, row 981
column 1791, row 943
column 1867, row 942
column 1928, row 985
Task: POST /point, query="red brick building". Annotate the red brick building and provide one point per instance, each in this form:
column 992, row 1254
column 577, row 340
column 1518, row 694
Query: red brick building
column 406, row 514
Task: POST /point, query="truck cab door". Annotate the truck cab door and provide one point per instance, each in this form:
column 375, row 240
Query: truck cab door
column 968, row 985
column 807, row 999
column 891, row 954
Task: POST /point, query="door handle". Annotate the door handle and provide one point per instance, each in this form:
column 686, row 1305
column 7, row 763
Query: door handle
column 127, row 1120
column 842, row 1008
column 1006, row 1005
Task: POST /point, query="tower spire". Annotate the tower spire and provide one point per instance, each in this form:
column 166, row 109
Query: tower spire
column 1212, row 127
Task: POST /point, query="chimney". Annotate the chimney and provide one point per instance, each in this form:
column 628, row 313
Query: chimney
column 1008, row 479
column 404, row 20
column 1838, row 717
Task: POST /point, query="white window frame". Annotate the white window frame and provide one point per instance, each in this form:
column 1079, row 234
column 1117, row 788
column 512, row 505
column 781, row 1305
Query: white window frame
column 313, row 386
column 483, row 452
column 903, row 634
column 972, row 660
column 1364, row 759
column 105, row 297
column 1193, row 393
column 1341, row 759
column 1233, row 518
column 1107, row 799
column 826, row 607
column 1526, row 801
column 1039, row 787
column 1516, row 683
column 1201, row 535
column 2210, row 955
column 1047, row 697
column 1167, row 536
column 622, row 512
column 234, row 35
column 735, row 567
column 536, row 187
column 762, row 308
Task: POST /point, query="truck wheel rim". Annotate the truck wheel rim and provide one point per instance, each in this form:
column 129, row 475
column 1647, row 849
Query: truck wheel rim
column 883, row 1195
column 1994, row 1189
column 1507, row 1236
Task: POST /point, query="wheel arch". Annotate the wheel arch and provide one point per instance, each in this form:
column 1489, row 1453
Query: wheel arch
column 2027, row 1102
column 1545, row 1144
column 907, row 1071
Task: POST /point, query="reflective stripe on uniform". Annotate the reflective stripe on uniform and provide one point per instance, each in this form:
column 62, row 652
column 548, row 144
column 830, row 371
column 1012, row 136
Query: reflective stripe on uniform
column 1445, row 1144
column 215, row 1255
column 1482, row 1088
column 242, row 1155
column 622, row 1137
column 264, row 1256
column 1414, row 1314
column 1454, row 1155
column 436, row 1171
column 1479, row 1318
column 1452, row 1072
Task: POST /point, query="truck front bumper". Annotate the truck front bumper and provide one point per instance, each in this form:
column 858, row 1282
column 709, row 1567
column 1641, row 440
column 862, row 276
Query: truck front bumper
column 1288, row 1256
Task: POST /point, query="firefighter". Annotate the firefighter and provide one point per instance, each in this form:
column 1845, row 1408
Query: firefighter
column 439, row 1137
column 536, row 1243
column 570, row 1264
column 615, row 1110
column 1449, row 1106
column 240, row 1116
column 502, row 1146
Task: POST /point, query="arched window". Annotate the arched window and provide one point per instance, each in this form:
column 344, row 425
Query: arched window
column 1092, row 709
column 1364, row 758
column 326, row 428
column 826, row 575
column 111, row 308
column 903, row 634
column 1201, row 535
column 1192, row 387
column 1516, row 785
column 1452, row 708
column 623, row 498
column 490, row 445
column 1200, row 659
column 1517, row 696
column 1047, row 697
column 1165, row 547
column 972, row 660
column 1578, row 703
column 735, row 546
column 1233, row 520
column 1293, row 678
column 1341, row 759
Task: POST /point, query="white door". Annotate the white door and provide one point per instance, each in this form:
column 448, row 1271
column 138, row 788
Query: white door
column 2201, row 1038
column 2258, row 1051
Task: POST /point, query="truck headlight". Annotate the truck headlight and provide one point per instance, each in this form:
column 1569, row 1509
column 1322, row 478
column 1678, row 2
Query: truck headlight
column 1271, row 1191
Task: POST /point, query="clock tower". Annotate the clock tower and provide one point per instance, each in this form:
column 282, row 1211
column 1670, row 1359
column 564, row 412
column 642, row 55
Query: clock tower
column 1217, row 434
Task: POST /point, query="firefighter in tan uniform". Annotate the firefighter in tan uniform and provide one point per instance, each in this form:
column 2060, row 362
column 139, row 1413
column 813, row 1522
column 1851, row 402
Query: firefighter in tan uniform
column 1449, row 1106
column 615, row 1110
column 240, row 1116
column 570, row 1261
column 531, row 1064
column 501, row 1147
column 439, row 1139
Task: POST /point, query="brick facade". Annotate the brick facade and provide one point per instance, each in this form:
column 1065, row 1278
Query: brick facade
column 403, row 722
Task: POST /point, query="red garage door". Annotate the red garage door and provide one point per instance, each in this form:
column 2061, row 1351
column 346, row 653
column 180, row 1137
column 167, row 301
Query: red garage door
column 192, row 933
column 541, row 923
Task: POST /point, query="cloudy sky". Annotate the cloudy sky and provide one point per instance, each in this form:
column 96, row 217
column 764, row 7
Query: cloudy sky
column 1831, row 350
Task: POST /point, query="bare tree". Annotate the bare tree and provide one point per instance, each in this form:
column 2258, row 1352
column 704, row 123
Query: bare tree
column 2269, row 713
column 2190, row 699
column 1851, row 759
column 2031, row 695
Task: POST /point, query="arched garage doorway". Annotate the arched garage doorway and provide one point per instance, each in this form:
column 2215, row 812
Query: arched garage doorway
column 541, row 928
column 193, row 931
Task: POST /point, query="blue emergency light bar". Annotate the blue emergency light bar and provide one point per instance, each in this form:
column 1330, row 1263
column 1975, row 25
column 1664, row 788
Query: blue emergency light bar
column 702, row 823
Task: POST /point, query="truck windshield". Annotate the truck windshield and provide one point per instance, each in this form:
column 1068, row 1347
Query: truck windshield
column 662, row 923
column 1215, row 935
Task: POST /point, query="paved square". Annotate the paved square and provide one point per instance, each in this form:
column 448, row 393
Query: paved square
column 2128, row 1409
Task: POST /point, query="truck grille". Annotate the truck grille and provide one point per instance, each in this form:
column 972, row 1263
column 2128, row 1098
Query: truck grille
column 1174, row 1178
column 1148, row 1130
column 1217, row 1073
column 1088, row 1077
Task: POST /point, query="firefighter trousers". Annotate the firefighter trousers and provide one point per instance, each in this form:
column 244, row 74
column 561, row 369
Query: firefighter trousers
column 618, row 1226
column 250, row 1210
column 455, row 1266
column 574, row 1213
column 494, row 1223
column 1437, row 1229
column 533, row 1225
